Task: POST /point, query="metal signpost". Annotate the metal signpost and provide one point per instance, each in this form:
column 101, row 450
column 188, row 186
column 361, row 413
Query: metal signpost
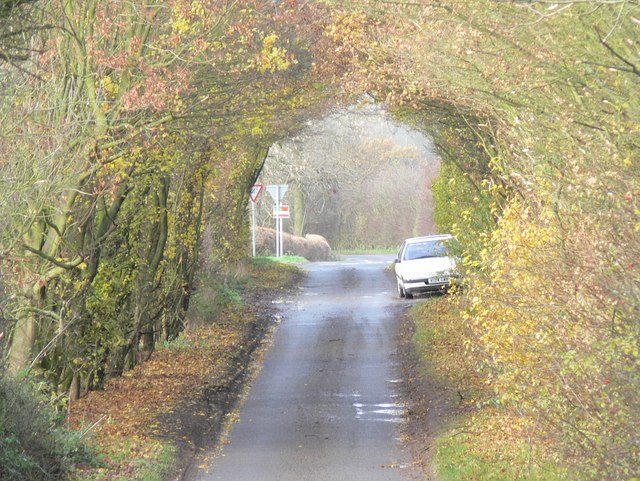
column 277, row 192
column 254, row 195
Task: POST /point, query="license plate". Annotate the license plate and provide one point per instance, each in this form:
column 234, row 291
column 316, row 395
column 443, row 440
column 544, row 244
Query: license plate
column 438, row 280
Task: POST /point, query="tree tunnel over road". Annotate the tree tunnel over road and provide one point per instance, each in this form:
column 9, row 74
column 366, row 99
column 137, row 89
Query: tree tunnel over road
column 132, row 132
column 357, row 177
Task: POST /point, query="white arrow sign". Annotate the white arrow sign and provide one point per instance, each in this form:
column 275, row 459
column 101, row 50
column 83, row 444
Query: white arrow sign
column 277, row 191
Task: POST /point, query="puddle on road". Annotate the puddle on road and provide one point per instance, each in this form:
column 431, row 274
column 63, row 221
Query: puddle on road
column 383, row 412
column 355, row 394
column 282, row 301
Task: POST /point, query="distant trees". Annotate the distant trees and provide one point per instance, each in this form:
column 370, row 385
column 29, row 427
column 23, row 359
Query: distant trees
column 351, row 174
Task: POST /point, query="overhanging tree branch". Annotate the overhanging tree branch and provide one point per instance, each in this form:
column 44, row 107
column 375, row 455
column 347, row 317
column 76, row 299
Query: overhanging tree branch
column 631, row 67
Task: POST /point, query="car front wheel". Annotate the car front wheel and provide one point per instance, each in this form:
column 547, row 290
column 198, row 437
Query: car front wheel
column 401, row 292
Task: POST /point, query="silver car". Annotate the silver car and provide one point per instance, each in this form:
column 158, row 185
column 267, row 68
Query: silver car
column 424, row 264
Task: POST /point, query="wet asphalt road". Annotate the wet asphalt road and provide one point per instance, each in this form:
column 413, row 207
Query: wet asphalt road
column 325, row 406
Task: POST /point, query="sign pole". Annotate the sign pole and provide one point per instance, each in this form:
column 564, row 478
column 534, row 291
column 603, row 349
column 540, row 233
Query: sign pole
column 281, row 230
column 254, row 195
column 277, row 221
column 280, row 225
column 281, row 237
column 253, row 229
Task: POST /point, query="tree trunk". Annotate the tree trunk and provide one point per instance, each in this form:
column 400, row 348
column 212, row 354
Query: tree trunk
column 74, row 389
column 23, row 340
column 298, row 211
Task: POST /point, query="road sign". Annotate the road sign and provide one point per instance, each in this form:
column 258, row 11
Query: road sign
column 277, row 191
column 283, row 213
column 256, row 190
column 254, row 195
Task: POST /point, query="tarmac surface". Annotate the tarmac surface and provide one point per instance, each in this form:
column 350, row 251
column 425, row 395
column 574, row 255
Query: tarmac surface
column 326, row 405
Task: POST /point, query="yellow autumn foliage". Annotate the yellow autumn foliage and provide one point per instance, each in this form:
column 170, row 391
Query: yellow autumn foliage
column 510, row 327
column 274, row 58
column 534, row 109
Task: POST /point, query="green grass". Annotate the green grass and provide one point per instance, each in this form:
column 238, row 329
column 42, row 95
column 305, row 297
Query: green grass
column 212, row 297
column 472, row 457
column 152, row 462
column 179, row 342
column 485, row 441
column 34, row 445
column 156, row 469
column 283, row 259
column 366, row 250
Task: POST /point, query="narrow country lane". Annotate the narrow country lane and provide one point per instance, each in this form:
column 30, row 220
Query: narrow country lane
column 325, row 406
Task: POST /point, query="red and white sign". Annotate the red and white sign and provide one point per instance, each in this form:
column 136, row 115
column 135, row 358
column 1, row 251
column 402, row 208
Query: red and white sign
column 256, row 190
column 283, row 213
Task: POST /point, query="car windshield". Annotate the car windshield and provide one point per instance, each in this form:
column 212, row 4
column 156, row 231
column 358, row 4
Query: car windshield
column 421, row 250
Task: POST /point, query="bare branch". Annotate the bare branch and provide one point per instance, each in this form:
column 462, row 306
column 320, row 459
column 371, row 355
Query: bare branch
column 631, row 67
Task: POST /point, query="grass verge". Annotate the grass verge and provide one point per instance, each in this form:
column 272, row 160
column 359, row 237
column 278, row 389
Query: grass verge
column 288, row 259
column 366, row 250
column 480, row 440
column 479, row 450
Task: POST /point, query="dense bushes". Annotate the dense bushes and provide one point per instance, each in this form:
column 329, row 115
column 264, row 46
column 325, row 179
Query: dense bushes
column 33, row 445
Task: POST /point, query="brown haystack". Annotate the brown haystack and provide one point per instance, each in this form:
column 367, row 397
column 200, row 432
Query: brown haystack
column 312, row 246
